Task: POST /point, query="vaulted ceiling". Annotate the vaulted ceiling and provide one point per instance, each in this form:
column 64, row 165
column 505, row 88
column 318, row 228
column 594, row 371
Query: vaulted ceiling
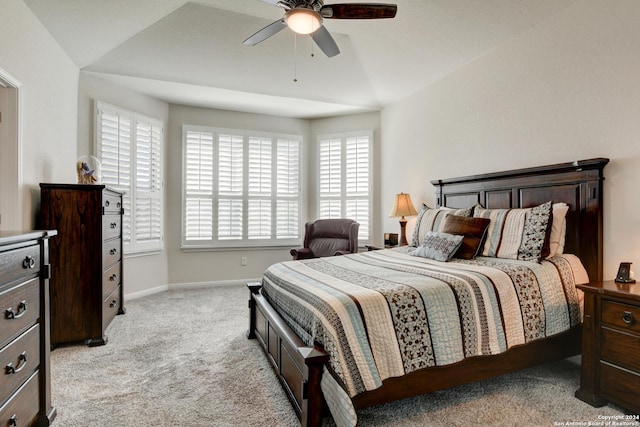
column 192, row 53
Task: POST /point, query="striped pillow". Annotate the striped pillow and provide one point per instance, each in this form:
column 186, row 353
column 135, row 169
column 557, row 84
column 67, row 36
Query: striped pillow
column 430, row 219
column 516, row 233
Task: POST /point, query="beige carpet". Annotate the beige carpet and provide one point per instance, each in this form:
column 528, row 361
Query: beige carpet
column 181, row 358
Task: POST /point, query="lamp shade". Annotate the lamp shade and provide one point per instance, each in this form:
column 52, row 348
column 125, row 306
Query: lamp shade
column 303, row 21
column 402, row 206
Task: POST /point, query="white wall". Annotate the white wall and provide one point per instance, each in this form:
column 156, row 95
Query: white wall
column 141, row 273
column 10, row 173
column 567, row 89
column 48, row 103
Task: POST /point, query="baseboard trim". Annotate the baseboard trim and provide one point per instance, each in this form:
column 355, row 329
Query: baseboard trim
column 210, row 284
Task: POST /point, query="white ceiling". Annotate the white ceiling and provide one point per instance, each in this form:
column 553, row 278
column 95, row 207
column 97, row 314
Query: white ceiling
column 192, row 53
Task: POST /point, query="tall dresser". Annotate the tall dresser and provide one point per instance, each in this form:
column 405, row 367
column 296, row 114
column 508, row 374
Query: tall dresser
column 86, row 285
column 25, row 385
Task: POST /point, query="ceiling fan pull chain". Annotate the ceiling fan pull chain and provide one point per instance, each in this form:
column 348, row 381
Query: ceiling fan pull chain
column 295, row 58
column 312, row 52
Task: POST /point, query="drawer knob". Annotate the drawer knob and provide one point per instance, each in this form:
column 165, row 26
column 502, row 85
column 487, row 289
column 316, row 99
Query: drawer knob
column 106, row 203
column 627, row 317
column 113, row 277
column 13, row 421
column 22, row 309
column 113, row 303
column 22, row 362
column 28, row 262
column 113, row 251
column 113, row 225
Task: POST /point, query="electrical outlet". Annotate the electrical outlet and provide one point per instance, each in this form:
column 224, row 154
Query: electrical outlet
column 243, row 261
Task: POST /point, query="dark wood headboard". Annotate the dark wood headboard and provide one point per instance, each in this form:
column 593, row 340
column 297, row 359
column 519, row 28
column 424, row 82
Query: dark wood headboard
column 579, row 184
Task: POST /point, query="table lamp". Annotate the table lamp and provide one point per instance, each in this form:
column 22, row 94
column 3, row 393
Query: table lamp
column 402, row 206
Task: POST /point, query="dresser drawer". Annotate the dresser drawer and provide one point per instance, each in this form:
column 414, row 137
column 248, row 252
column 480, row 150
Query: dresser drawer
column 20, row 307
column 110, row 307
column 18, row 360
column 620, row 348
column 22, row 408
column 623, row 316
column 110, row 280
column 111, row 203
column 620, row 386
column 111, row 225
column 111, row 253
column 19, row 263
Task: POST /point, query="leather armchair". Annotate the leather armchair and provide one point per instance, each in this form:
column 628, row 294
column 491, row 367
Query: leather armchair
column 328, row 237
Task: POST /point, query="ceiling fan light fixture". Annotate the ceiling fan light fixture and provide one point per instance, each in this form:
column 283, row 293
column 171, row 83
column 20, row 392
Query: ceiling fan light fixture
column 303, row 21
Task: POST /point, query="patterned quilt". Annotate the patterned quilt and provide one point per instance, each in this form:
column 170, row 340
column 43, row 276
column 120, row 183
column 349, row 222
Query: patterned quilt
column 385, row 313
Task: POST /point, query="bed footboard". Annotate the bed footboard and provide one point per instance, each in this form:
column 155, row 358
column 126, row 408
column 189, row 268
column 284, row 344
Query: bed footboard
column 299, row 367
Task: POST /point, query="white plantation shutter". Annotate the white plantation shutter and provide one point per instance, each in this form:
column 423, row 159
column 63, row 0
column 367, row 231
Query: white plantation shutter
column 198, row 182
column 345, row 179
column 259, row 217
column 230, row 186
column 148, row 208
column 115, row 148
column 114, row 152
column 129, row 146
column 259, row 187
column 260, row 155
column 357, row 164
column 288, row 189
column 330, row 178
column 230, row 164
column 229, row 219
column 253, row 197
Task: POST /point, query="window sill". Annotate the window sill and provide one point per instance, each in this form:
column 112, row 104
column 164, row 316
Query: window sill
column 143, row 253
column 234, row 248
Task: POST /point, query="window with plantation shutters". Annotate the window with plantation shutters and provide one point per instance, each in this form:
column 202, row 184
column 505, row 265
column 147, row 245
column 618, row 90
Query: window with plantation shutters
column 240, row 188
column 129, row 146
column 344, row 163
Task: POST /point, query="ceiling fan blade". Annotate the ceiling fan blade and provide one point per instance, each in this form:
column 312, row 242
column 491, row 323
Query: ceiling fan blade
column 266, row 32
column 325, row 42
column 359, row 11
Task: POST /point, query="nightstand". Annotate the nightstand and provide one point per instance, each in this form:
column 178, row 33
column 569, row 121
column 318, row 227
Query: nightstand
column 611, row 345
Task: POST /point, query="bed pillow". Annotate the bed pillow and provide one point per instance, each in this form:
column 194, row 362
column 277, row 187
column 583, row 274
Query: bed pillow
column 516, row 233
column 472, row 229
column 430, row 219
column 438, row 246
column 558, row 229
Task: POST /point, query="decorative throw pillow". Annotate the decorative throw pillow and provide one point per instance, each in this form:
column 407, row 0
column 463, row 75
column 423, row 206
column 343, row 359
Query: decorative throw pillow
column 558, row 229
column 438, row 246
column 472, row 229
column 516, row 233
column 430, row 219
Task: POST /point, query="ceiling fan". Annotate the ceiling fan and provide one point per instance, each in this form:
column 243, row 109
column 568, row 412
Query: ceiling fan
column 305, row 17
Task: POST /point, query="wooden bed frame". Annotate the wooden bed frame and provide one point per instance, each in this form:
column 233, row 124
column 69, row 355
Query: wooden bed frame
column 579, row 184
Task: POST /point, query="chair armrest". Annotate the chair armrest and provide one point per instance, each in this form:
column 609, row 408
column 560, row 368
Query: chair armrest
column 301, row 253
